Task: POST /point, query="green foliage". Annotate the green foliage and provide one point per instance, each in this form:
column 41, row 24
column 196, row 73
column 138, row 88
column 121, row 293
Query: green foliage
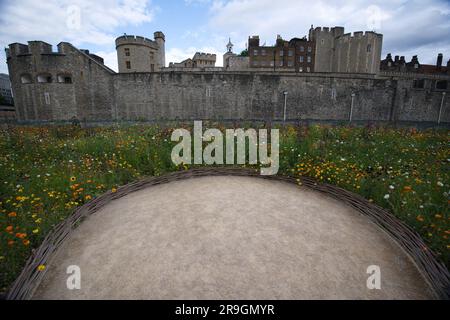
column 47, row 172
column 244, row 53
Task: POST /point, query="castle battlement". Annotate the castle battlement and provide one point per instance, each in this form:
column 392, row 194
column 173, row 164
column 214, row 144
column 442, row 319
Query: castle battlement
column 32, row 48
column 325, row 31
column 135, row 40
column 359, row 35
column 204, row 56
column 141, row 54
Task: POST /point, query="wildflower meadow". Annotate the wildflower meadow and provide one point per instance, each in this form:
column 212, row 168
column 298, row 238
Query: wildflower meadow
column 47, row 172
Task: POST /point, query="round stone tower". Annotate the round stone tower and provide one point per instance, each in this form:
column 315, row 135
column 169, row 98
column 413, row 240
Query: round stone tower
column 139, row 54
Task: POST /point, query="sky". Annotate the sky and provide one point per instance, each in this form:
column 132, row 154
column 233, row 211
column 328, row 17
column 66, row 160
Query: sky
column 410, row 27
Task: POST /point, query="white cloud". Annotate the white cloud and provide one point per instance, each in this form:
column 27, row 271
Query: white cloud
column 196, row 2
column 81, row 22
column 110, row 59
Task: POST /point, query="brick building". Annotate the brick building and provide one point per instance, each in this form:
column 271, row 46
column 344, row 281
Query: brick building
column 296, row 54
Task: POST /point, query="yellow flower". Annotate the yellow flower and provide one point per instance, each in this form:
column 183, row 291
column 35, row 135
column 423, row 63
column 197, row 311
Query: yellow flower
column 73, row 179
column 36, row 230
column 114, row 190
column 26, row 242
column 41, row 267
column 88, row 197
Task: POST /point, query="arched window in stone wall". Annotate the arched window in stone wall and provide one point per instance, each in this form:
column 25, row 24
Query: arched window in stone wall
column 26, row 78
column 64, row 78
column 44, row 78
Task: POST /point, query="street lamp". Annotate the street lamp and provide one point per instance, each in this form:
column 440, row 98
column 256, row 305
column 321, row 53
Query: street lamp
column 442, row 106
column 351, row 107
column 285, row 93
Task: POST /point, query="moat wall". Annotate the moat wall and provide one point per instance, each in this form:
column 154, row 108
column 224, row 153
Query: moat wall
column 98, row 96
column 253, row 96
column 69, row 84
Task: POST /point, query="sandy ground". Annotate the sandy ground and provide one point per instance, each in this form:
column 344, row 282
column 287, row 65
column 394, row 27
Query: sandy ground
column 230, row 238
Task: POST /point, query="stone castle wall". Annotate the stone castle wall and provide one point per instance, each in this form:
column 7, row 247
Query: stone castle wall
column 96, row 93
column 88, row 95
column 353, row 53
column 253, row 96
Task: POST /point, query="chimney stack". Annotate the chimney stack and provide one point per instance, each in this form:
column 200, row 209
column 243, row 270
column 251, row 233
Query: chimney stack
column 439, row 60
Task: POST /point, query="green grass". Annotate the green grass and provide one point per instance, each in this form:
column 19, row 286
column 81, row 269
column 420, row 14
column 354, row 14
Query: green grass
column 46, row 172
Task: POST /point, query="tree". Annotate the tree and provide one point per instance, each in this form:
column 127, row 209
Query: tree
column 244, row 53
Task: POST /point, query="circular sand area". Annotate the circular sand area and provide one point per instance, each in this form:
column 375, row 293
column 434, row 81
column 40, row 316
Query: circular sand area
column 230, row 238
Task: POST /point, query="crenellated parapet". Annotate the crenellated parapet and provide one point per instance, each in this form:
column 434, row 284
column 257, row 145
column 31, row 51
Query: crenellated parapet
column 126, row 40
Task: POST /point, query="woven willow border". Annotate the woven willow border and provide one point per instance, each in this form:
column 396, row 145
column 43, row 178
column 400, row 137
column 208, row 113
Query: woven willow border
column 434, row 272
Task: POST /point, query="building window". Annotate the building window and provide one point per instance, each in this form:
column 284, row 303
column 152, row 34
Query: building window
column 47, row 97
column 369, row 48
column 301, row 59
column 419, row 84
column 389, row 64
column 152, row 55
column 255, row 63
column 322, row 41
column 416, row 66
column 300, row 69
column 272, row 63
column 127, row 52
column 308, row 69
column 25, row 78
column 64, row 78
column 152, row 67
column 128, row 63
column 44, row 78
column 441, row 85
column 309, row 59
column 290, row 63
column 290, row 53
column 263, row 52
column 302, row 49
column 281, row 63
column 255, row 52
column 281, row 53
column 309, row 49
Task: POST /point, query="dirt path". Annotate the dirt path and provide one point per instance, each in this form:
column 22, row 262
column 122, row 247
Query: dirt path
column 230, row 238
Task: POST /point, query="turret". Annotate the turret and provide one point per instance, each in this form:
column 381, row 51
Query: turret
column 160, row 39
column 139, row 54
column 439, row 61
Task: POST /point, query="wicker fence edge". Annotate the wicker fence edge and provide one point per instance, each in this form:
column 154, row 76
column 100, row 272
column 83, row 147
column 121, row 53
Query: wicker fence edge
column 433, row 271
